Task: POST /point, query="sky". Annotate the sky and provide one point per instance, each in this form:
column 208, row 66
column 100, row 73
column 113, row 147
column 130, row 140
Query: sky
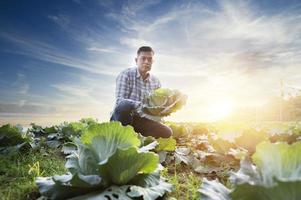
column 59, row 59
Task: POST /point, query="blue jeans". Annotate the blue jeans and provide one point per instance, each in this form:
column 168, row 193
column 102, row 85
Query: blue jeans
column 125, row 113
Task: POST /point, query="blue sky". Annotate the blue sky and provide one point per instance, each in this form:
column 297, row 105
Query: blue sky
column 59, row 59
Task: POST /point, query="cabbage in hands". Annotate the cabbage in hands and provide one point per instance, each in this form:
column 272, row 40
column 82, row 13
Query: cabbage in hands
column 161, row 103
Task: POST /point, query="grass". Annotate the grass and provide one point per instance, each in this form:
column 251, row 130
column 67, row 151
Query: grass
column 185, row 182
column 18, row 172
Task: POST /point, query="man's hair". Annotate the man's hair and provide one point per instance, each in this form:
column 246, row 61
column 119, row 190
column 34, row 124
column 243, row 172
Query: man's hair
column 145, row 49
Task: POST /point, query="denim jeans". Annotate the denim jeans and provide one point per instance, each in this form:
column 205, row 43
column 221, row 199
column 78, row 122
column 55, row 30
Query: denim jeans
column 125, row 113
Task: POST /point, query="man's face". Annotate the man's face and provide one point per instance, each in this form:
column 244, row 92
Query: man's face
column 144, row 61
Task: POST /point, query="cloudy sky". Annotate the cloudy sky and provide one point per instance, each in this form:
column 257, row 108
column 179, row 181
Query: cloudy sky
column 59, row 59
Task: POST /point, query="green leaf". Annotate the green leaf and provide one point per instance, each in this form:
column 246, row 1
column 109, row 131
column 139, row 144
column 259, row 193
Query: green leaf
column 280, row 160
column 67, row 186
column 83, row 161
column 166, row 144
column 88, row 121
column 149, row 147
column 150, row 187
column 247, row 173
column 53, row 143
column 52, row 129
column 214, row 190
column 277, row 174
column 125, row 164
column 104, row 139
column 10, row 136
column 250, row 138
column 12, row 141
column 150, row 193
column 178, row 130
column 112, row 193
column 158, row 100
column 147, row 143
column 69, row 147
column 72, row 129
column 281, row 191
column 183, row 154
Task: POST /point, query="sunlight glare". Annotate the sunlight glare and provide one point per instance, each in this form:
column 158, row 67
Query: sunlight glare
column 219, row 110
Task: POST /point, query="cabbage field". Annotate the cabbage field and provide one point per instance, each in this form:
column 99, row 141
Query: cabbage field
column 88, row 159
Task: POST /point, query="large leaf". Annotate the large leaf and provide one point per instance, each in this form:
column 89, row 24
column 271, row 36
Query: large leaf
column 100, row 168
column 111, row 193
column 147, row 143
column 125, row 164
column 277, row 174
column 214, row 190
column 149, row 147
column 106, row 138
column 147, row 186
column 150, row 193
column 82, row 160
column 247, row 173
column 67, row 186
column 281, row 161
column 281, row 191
column 183, row 154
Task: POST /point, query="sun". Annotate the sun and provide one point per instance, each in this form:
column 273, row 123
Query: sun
column 220, row 110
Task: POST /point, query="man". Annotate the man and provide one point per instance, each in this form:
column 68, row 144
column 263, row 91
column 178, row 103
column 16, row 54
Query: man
column 132, row 85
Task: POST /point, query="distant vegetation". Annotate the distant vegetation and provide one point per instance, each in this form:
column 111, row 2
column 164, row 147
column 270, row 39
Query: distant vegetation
column 277, row 109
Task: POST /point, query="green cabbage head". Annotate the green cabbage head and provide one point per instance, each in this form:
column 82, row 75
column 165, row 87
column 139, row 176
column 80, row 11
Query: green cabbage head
column 161, row 103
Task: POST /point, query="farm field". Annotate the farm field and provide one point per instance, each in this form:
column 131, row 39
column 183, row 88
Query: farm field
column 82, row 160
column 150, row 100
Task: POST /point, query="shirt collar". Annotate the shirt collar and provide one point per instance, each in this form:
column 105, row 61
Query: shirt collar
column 138, row 75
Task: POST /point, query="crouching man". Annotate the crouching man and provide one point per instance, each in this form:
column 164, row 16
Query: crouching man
column 132, row 85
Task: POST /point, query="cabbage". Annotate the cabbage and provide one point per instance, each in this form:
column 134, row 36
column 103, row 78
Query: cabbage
column 276, row 175
column 161, row 103
column 107, row 162
column 12, row 140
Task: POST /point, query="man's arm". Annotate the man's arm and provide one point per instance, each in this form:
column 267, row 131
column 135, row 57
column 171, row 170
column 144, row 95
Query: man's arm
column 123, row 89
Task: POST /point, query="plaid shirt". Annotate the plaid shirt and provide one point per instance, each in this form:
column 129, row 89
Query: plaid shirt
column 131, row 86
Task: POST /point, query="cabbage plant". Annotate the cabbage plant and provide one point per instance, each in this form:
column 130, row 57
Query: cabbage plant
column 276, row 175
column 161, row 103
column 13, row 140
column 107, row 163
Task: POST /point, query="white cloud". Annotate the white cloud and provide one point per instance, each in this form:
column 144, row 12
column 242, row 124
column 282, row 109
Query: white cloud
column 62, row 20
column 52, row 54
column 102, row 50
column 20, row 85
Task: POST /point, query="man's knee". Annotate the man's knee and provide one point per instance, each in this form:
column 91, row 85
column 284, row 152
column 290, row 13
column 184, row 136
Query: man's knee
column 125, row 106
column 123, row 112
column 166, row 132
